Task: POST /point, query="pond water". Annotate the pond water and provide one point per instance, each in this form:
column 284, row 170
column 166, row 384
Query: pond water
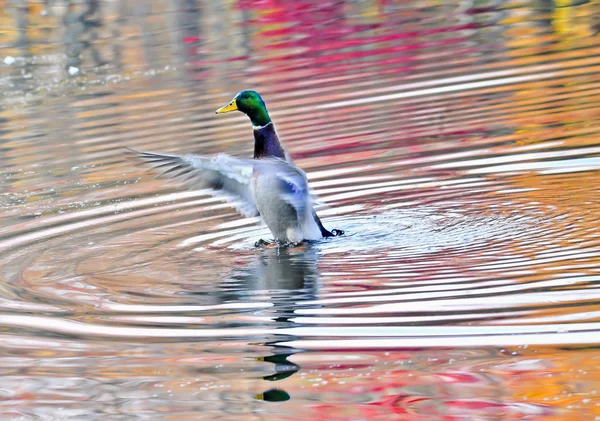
column 456, row 143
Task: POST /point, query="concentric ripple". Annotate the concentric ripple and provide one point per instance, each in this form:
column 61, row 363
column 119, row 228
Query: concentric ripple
column 456, row 144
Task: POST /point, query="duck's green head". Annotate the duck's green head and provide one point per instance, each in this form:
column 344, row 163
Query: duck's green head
column 251, row 104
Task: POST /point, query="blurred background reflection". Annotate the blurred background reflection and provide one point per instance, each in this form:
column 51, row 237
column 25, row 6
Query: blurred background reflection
column 455, row 142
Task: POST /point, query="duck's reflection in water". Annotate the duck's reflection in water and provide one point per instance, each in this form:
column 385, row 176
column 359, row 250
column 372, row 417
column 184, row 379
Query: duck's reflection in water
column 286, row 277
column 283, row 276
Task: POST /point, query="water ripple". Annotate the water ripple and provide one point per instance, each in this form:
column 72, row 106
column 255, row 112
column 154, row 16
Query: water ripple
column 456, row 145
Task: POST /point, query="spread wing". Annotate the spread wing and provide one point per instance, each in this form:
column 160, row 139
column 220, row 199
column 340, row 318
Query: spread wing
column 223, row 175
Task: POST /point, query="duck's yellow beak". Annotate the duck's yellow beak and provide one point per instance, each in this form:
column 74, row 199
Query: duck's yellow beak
column 232, row 106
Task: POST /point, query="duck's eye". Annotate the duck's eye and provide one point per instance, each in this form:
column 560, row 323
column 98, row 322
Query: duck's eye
column 245, row 96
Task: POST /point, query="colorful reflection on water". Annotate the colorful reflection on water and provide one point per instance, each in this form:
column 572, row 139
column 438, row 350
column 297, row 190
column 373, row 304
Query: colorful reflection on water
column 456, row 143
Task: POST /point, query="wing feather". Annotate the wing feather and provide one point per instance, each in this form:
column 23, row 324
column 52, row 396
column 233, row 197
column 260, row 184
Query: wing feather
column 223, row 175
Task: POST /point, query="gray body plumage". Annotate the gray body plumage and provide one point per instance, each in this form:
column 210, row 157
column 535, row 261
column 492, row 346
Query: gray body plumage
column 285, row 213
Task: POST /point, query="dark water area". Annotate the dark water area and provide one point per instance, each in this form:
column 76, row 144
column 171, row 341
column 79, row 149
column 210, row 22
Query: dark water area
column 456, row 143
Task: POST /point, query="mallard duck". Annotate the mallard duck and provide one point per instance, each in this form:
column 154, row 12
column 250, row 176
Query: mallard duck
column 269, row 186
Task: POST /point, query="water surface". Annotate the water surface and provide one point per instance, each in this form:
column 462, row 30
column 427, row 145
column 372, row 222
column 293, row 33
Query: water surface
column 456, row 144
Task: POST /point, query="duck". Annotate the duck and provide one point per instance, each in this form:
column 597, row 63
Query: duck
column 269, row 185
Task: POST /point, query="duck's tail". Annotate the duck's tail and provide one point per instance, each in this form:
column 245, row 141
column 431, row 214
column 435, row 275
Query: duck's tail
column 324, row 231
